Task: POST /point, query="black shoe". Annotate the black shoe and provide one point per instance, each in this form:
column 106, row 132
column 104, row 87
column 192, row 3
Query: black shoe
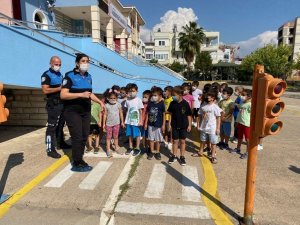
column 150, row 156
column 182, row 161
column 64, row 145
column 221, row 145
column 129, row 151
column 157, row 156
column 136, row 152
column 172, row 159
column 81, row 166
column 53, row 154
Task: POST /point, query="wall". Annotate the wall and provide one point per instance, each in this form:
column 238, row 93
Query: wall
column 26, row 107
column 6, row 8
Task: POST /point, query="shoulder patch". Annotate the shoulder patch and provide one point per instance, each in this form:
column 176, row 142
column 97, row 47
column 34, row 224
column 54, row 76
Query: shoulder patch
column 43, row 79
column 65, row 81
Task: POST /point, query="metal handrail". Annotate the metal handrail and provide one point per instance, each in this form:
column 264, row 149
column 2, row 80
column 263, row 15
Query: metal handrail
column 168, row 70
column 75, row 51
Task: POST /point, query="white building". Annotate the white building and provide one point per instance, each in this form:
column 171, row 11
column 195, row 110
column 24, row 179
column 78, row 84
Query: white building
column 289, row 34
column 165, row 46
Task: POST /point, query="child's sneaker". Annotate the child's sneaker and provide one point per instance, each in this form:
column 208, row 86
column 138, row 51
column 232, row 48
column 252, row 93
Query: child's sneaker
column 236, row 150
column 109, row 153
column 150, row 156
column 260, row 147
column 157, row 156
column 234, row 140
column 244, row 156
column 136, row 152
column 221, row 145
column 182, row 161
column 226, row 147
column 129, row 151
column 96, row 150
column 172, row 159
column 88, row 149
column 170, row 146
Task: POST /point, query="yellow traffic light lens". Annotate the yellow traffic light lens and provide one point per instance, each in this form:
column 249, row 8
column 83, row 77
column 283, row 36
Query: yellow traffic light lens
column 276, row 109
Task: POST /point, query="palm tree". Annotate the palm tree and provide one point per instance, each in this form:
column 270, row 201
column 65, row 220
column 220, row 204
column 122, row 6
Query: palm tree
column 190, row 41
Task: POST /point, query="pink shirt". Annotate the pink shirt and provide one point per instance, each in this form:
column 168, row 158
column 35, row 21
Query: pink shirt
column 190, row 99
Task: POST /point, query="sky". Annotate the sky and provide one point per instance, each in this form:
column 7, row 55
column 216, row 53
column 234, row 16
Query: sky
column 246, row 23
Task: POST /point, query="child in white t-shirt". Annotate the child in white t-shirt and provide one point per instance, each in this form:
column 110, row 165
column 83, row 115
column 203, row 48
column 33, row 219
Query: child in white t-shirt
column 209, row 125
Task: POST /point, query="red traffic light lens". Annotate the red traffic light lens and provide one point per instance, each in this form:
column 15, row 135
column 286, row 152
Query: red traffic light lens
column 278, row 88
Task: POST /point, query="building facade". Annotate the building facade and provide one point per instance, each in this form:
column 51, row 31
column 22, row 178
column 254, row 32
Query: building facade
column 165, row 46
column 289, row 34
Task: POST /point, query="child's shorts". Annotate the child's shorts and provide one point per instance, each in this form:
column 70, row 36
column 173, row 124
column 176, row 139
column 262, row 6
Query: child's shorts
column 133, row 131
column 112, row 131
column 180, row 133
column 155, row 134
column 225, row 129
column 94, row 129
column 243, row 131
column 212, row 138
column 144, row 133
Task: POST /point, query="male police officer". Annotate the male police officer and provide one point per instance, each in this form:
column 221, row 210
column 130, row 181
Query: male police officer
column 51, row 86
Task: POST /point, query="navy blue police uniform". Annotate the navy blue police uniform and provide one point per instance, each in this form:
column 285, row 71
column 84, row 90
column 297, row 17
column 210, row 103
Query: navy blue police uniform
column 54, row 107
column 78, row 112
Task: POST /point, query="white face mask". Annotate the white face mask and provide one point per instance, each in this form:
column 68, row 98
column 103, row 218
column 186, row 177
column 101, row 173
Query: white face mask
column 132, row 94
column 244, row 98
column 145, row 100
column 186, row 92
column 154, row 98
column 56, row 68
column 194, row 88
column 112, row 102
column 84, row 67
column 236, row 94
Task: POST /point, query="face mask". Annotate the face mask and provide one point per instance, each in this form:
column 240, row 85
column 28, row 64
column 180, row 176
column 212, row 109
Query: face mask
column 194, row 88
column 112, row 102
column 174, row 98
column 225, row 97
column 244, row 98
column 165, row 94
column 56, row 68
column 132, row 94
column 145, row 100
column 154, row 98
column 84, row 67
column 236, row 94
column 186, row 92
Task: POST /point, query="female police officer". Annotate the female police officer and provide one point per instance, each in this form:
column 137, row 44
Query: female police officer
column 77, row 95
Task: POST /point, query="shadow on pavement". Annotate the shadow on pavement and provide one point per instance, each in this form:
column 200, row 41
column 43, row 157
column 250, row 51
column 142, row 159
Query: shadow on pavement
column 12, row 161
column 294, row 169
column 178, row 176
column 10, row 132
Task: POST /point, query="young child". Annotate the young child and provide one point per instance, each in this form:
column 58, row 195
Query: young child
column 95, row 125
column 227, row 106
column 168, row 99
column 243, row 120
column 144, row 132
column 209, row 125
column 155, row 123
column 112, row 120
column 197, row 93
column 187, row 95
column 180, row 122
column 133, row 119
column 217, row 87
column 238, row 91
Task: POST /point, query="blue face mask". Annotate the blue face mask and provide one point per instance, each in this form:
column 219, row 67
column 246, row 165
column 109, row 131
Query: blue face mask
column 174, row 98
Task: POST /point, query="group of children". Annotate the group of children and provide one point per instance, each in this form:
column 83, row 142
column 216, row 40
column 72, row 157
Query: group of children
column 166, row 116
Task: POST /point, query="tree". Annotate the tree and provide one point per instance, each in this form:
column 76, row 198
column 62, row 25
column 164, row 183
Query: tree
column 153, row 61
column 276, row 60
column 203, row 63
column 177, row 67
column 190, row 41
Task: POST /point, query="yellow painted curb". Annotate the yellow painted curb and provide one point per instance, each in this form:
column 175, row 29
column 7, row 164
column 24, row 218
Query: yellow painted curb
column 210, row 186
column 4, row 207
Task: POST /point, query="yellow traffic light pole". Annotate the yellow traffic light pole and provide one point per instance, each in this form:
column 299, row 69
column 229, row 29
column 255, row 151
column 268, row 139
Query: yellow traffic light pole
column 266, row 106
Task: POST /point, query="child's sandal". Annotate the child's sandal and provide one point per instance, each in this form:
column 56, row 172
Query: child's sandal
column 214, row 160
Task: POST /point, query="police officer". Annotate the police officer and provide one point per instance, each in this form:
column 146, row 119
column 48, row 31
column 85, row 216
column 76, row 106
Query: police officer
column 77, row 95
column 51, row 86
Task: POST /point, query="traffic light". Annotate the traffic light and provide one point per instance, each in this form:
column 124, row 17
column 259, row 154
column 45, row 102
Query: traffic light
column 269, row 106
column 3, row 111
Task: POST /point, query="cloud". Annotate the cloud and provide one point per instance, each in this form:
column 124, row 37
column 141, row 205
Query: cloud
column 250, row 45
column 181, row 17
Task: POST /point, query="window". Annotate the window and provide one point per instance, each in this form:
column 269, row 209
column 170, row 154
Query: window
column 162, row 43
column 162, row 56
column 149, row 56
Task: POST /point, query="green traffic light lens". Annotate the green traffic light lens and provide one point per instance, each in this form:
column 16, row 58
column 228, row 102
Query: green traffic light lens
column 274, row 127
column 278, row 89
column 276, row 108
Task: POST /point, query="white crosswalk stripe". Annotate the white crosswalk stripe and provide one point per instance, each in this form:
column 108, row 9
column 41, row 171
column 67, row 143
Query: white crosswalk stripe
column 190, row 184
column 90, row 182
column 61, row 177
column 156, row 183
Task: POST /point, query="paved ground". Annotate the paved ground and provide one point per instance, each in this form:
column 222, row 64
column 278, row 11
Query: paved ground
column 158, row 193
